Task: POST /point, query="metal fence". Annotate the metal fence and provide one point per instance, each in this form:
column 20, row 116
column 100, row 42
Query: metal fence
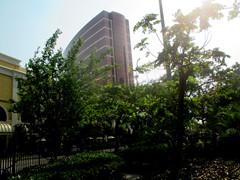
column 17, row 153
column 13, row 163
column 24, row 150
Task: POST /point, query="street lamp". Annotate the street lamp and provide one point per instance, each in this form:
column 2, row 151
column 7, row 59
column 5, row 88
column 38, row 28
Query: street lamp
column 168, row 69
column 162, row 16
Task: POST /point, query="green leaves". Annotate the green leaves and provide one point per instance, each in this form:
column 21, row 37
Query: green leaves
column 57, row 91
column 209, row 10
column 234, row 13
column 147, row 23
column 142, row 45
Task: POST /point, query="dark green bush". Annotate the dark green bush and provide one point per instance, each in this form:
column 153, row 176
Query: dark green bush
column 146, row 159
column 157, row 152
column 91, row 165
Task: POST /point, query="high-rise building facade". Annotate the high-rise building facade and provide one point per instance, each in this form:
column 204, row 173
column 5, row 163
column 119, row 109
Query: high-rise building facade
column 108, row 31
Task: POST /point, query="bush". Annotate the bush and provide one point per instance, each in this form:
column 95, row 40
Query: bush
column 91, row 165
column 158, row 152
column 146, row 159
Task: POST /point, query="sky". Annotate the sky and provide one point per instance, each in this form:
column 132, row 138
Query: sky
column 27, row 24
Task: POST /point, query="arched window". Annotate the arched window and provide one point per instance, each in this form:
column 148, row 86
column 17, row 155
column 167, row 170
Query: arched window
column 3, row 115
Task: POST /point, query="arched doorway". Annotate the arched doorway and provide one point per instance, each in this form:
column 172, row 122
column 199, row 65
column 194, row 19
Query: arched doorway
column 3, row 115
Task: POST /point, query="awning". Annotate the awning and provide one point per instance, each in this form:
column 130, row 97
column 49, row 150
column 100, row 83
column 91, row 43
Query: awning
column 5, row 128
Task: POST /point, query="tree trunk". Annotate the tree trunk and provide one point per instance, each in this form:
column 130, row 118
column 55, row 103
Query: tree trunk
column 180, row 129
column 117, row 141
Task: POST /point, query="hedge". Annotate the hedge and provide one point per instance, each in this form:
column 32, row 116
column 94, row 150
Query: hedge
column 88, row 165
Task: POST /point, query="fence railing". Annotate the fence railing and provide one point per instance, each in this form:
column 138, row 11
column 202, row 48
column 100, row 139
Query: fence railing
column 18, row 153
column 23, row 152
column 11, row 164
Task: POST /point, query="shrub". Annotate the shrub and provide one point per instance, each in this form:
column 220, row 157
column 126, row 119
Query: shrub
column 146, row 159
column 89, row 165
column 157, row 152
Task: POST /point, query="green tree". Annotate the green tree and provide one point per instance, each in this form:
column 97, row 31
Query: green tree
column 220, row 107
column 154, row 114
column 55, row 93
column 235, row 11
column 41, row 94
column 118, row 109
column 188, row 62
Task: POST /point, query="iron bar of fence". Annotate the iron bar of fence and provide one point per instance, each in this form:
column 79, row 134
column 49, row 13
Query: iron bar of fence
column 14, row 159
column 20, row 153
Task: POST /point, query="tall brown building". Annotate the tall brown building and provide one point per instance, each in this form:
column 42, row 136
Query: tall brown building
column 108, row 31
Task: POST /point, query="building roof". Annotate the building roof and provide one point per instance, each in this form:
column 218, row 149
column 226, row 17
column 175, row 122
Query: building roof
column 9, row 59
column 11, row 63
